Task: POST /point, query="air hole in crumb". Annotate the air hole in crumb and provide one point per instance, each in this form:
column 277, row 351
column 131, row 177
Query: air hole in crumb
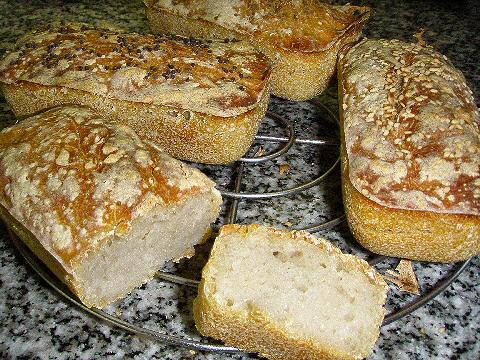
column 345, row 294
column 349, row 317
column 186, row 115
column 230, row 302
column 323, row 265
column 296, row 253
column 339, row 267
column 280, row 256
column 341, row 290
column 302, row 288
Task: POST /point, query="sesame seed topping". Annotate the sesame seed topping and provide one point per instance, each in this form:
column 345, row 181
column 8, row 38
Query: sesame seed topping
column 418, row 100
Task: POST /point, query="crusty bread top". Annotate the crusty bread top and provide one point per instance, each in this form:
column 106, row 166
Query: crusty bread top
column 293, row 25
column 74, row 180
column 216, row 78
column 411, row 128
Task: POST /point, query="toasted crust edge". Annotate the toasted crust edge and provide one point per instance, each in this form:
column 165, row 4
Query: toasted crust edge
column 415, row 235
column 34, row 245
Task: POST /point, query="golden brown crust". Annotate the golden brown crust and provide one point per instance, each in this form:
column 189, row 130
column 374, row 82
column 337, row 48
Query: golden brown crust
column 75, row 181
column 254, row 330
column 215, row 78
column 412, row 129
column 303, row 26
column 301, row 38
column 411, row 234
column 416, row 235
column 181, row 133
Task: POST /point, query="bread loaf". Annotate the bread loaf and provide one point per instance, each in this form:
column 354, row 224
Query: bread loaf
column 288, row 295
column 200, row 101
column 103, row 209
column 411, row 152
column 301, row 38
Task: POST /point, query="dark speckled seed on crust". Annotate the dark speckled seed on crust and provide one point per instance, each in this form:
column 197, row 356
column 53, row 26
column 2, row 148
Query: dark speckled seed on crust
column 145, row 76
column 300, row 38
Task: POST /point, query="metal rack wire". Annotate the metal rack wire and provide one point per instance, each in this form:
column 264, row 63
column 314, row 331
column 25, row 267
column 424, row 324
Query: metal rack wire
column 235, row 196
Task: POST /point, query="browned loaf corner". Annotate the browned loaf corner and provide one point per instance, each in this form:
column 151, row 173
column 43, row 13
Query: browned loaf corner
column 300, row 38
column 101, row 208
column 255, row 328
column 200, row 101
column 410, row 152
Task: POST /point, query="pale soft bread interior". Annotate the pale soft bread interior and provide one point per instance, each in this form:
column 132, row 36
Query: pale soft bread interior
column 161, row 235
column 309, row 292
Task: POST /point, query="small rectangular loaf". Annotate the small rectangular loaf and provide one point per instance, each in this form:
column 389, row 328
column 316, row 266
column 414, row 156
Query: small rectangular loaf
column 301, row 38
column 201, row 101
column 102, row 208
column 288, row 295
column 411, row 152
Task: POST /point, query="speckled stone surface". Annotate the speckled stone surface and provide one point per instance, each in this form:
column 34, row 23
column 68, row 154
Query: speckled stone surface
column 38, row 324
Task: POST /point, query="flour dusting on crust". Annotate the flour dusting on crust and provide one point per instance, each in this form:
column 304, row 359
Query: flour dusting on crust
column 209, row 77
column 411, row 128
column 74, row 180
column 299, row 25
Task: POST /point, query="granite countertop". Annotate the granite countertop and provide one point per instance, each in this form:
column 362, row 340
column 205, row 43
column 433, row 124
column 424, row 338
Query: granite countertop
column 37, row 323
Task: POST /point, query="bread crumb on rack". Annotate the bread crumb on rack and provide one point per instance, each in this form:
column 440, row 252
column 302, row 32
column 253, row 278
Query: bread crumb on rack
column 284, row 169
column 260, row 152
column 404, row 277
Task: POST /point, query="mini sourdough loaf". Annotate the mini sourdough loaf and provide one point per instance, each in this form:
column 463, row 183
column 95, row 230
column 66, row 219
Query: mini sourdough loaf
column 200, row 101
column 411, row 152
column 289, row 295
column 301, row 38
column 103, row 209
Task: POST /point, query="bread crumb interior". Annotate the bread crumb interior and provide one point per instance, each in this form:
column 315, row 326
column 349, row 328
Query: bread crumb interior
column 311, row 292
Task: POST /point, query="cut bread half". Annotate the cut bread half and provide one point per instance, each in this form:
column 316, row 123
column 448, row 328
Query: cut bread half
column 289, row 295
column 101, row 208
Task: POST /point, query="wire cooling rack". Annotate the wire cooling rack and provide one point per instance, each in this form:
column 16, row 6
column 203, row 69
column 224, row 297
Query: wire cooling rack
column 281, row 145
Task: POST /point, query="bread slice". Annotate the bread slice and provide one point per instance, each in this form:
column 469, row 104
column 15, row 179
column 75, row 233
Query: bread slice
column 300, row 38
column 101, row 208
column 289, row 295
column 200, row 101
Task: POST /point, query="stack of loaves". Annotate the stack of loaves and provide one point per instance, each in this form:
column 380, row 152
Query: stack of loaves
column 89, row 181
